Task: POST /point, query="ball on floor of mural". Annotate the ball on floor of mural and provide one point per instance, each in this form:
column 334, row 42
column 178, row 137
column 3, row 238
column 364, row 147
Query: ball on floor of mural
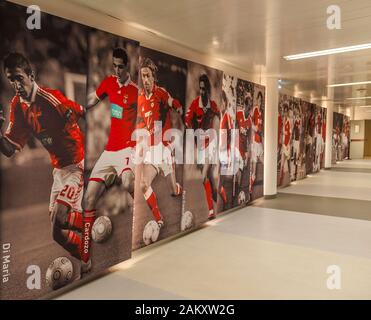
column 151, row 232
column 187, row 221
column 59, row 273
column 241, row 198
column 102, row 229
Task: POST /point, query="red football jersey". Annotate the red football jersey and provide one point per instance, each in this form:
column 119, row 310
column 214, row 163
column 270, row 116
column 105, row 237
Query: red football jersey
column 52, row 119
column 123, row 99
column 258, row 123
column 287, row 132
column 243, row 124
column 200, row 117
column 156, row 107
column 226, row 124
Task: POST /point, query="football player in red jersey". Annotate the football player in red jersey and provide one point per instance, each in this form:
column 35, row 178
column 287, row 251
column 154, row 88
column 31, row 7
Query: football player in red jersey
column 201, row 115
column 225, row 147
column 286, row 147
column 116, row 161
column 243, row 124
column 297, row 126
column 155, row 105
column 257, row 151
column 52, row 118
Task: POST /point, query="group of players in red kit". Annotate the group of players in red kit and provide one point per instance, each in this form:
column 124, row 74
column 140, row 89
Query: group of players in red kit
column 53, row 119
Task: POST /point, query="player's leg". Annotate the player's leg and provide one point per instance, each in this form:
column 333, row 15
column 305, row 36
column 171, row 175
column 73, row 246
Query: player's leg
column 208, row 189
column 149, row 172
column 169, row 171
column 68, row 239
column 66, row 210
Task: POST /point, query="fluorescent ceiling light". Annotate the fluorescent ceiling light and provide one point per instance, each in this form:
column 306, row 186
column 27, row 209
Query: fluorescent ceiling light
column 348, row 84
column 328, row 52
column 359, row 98
column 365, row 106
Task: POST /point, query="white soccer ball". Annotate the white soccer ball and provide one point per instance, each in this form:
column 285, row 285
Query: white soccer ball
column 241, row 198
column 59, row 273
column 102, row 229
column 151, row 232
column 187, row 221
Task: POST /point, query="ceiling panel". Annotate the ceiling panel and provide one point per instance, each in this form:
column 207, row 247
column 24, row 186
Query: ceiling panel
column 253, row 33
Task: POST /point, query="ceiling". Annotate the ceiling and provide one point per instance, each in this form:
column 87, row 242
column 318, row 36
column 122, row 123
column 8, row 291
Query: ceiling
column 255, row 35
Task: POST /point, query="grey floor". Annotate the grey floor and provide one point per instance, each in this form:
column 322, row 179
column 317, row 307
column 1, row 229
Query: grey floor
column 274, row 249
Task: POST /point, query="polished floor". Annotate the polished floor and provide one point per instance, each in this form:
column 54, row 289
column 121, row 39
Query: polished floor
column 274, row 249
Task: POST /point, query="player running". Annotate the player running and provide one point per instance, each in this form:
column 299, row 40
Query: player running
column 52, row 118
column 116, row 161
column 225, row 148
column 243, row 124
column 286, row 147
column 297, row 126
column 201, row 115
column 257, row 151
column 155, row 105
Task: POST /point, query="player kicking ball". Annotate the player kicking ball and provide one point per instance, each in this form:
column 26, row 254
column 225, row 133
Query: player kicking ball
column 154, row 105
column 201, row 115
column 116, row 161
column 52, row 118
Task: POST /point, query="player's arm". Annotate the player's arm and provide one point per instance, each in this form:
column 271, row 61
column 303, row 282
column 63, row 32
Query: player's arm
column 93, row 100
column 99, row 94
column 6, row 147
column 174, row 104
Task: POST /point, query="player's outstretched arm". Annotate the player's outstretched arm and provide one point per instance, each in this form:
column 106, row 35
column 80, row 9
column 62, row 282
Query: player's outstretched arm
column 93, row 100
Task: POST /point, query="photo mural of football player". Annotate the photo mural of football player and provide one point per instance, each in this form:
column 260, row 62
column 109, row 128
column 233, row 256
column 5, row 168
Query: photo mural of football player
column 243, row 123
column 285, row 129
column 228, row 150
column 323, row 136
column 311, row 136
column 346, row 137
column 337, row 137
column 201, row 179
column 298, row 170
column 111, row 121
column 257, row 144
column 43, row 87
column 158, row 185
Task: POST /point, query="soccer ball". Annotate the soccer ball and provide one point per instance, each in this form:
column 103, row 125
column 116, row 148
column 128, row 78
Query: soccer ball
column 187, row 221
column 102, row 229
column 151, row 232
column 241, row 198
column 59, row 273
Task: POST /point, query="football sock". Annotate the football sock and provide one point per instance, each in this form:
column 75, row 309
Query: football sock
column 152, row 203
column 73, row 244
column 74, row 220
column 88, row 221
column 208, row 194
column 223, row 194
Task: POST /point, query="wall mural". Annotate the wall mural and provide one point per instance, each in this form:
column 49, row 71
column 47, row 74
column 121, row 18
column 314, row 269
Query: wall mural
column 107, row 147
column 340, row 137
column 301, row 139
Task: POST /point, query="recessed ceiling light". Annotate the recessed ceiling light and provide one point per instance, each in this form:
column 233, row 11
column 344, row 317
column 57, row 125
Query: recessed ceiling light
column 359, row 98
column 348, row 84
column 328, row 52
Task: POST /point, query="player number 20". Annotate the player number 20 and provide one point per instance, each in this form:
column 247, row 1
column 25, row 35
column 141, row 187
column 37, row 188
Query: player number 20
column 68, row 191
